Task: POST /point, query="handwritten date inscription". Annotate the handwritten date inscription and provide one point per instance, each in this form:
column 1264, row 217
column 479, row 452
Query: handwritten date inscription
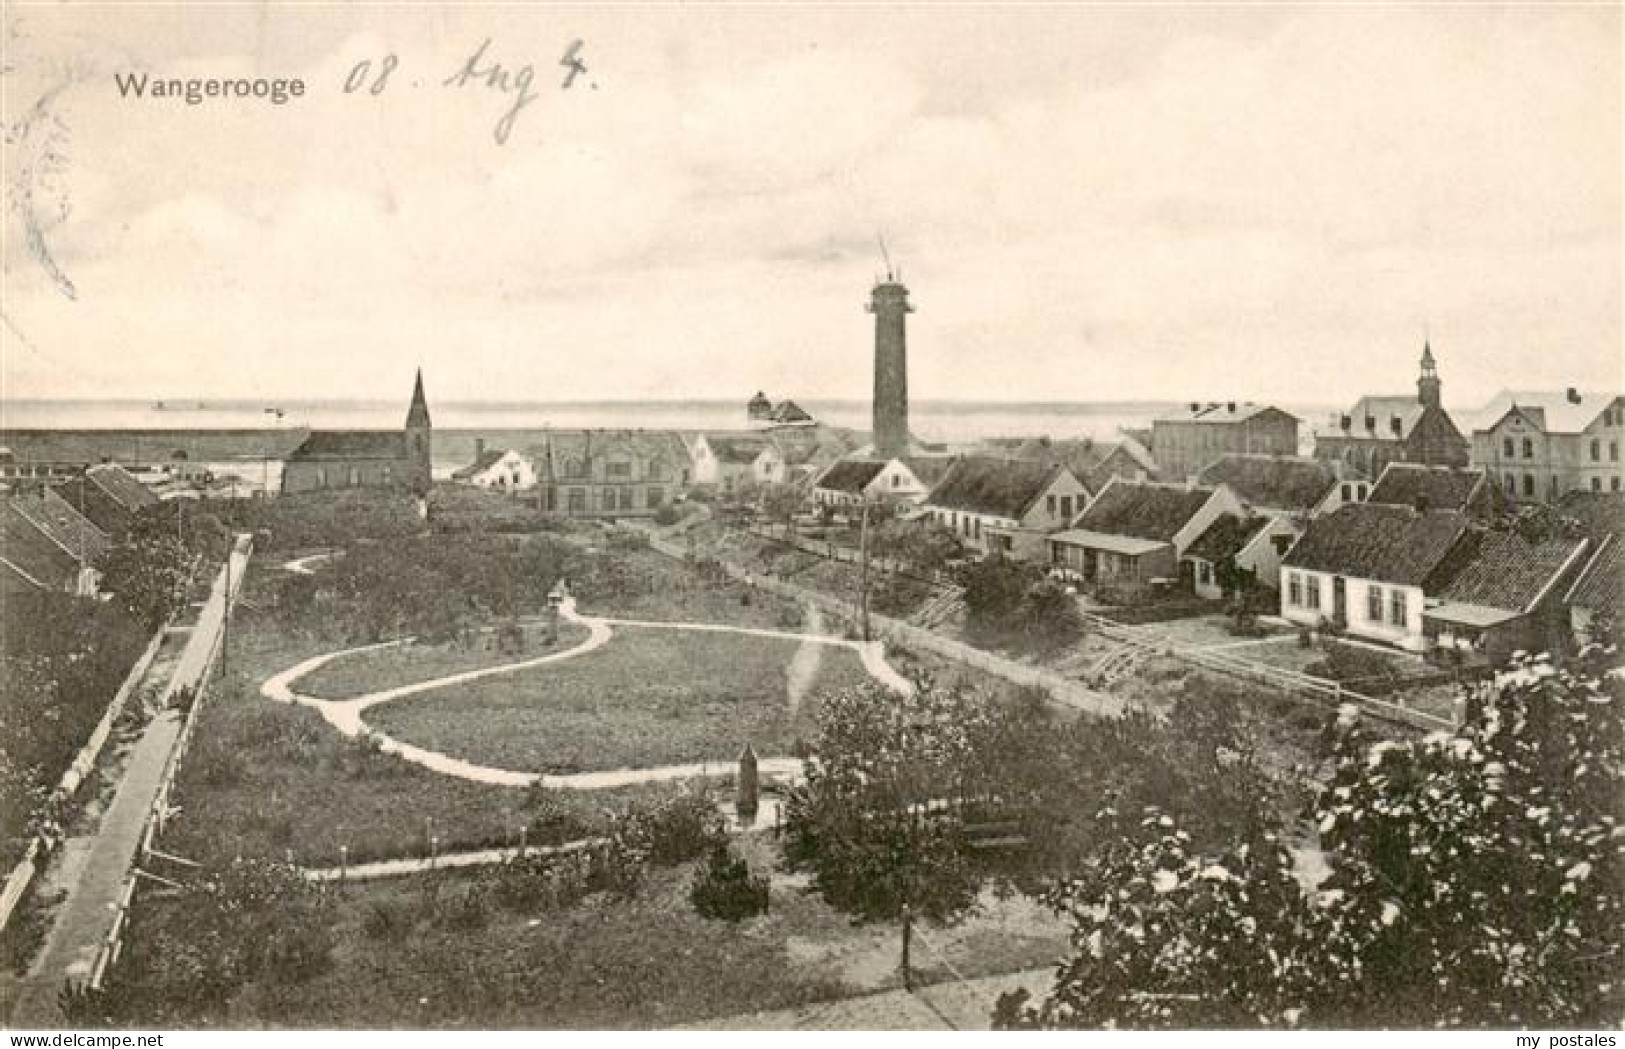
column 478, row 72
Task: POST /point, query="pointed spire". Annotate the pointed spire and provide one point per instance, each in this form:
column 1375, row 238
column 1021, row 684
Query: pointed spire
column 418, row 414
column 1427, row 354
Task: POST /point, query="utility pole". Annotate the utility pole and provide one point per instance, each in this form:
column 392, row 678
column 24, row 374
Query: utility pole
column 863, row 572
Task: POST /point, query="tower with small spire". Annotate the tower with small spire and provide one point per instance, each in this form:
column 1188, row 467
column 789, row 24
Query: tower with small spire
column 1428, row 388
column 888, row 301
column 419, row 440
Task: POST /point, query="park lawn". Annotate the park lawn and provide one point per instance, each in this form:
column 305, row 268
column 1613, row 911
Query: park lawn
column 405, row 664
column 649, row 962
column 266, row 779
column 650, row 697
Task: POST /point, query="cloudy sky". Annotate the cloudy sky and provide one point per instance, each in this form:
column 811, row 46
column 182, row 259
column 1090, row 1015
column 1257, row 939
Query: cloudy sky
column 1088, row 202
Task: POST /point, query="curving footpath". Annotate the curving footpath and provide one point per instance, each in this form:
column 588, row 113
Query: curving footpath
column 346, row 715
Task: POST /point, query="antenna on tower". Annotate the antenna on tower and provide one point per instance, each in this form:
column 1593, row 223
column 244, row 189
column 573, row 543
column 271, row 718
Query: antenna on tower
column 885, row 255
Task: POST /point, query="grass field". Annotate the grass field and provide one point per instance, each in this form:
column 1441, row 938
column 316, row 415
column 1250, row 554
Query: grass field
column 648, row 962
column 266, row 779
column 363, row 672
column 649, row 697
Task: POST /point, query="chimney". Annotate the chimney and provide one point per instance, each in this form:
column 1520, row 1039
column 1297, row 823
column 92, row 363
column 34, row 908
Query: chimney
column 1195, row 407
column 1420, row 503
column 479, row 447
column 1230, row 406
column 1573, row 395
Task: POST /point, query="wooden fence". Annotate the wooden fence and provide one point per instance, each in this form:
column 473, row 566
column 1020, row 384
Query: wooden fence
column 227, row 586
column 41, row 846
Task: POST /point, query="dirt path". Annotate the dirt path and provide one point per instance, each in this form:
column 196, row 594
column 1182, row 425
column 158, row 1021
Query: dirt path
column 346, row 715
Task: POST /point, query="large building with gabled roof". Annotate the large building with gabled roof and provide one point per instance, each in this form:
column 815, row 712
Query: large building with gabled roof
column 394, row 459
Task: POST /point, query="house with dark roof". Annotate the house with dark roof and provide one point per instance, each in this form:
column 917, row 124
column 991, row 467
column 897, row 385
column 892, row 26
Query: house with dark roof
column 1183, row 443
column 45, row 544
column 1007, row 506
column 1411, row 428
column 907, row 479
column 393, row 459
column 499, row 469
column 1436, row 488
column 1237, row 554
column 608, row 473
column 809, row 450
column 1501, row 591
column 1135, row 533
column 1366, row 567
column 1597, row 597
column 847, row 483
column 1292, row 486
column 109, row 495
column 1093, row 462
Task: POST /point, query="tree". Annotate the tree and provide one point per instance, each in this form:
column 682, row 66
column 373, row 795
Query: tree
column 781, row 502
column 879, row 818
column 1476, row 879
column 146, row 570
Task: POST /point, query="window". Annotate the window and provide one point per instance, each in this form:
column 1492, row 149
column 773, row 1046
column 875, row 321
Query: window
column 1049, row 505
column 321, row 477
column 1506, row 447
column 1596, row 450
column 1396, row 607
column 626, row 495
column 1280, row 543
column 1066, row 507
column 1204, row 573
column 389, row 474
column 1348, row 493
column 656, row 497
column 354, row 477
column 577, row 500
column 976, row 528
column 1512, row 485
column 606, row 499
column 1596, row 484
column 1613, row 451
column 575, row 468
column 1314, row 592
column 1528, row 448
column 1373, row 604
column 1613, row 484
column 618, row 470
column 1529, row 484
column 657, row 470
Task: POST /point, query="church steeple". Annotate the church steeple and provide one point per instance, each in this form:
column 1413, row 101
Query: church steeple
column 419, row 454
column 418, row 414
column 1427, row 385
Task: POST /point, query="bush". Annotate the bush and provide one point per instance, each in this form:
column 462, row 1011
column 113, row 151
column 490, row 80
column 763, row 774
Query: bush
column 388, row 920
column 677, row 828
column 725, row 889
column 667, row 516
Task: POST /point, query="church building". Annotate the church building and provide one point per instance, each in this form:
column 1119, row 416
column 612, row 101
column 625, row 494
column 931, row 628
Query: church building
column 1403, row 429
column 366, row 458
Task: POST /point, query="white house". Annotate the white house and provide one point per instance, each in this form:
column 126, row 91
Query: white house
column 502, row 470
column 1366, row 567
column 733, row 461
column 1006, row 505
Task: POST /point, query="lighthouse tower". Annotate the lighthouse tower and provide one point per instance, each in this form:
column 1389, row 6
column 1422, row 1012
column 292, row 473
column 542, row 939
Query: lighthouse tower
column 888, row 301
